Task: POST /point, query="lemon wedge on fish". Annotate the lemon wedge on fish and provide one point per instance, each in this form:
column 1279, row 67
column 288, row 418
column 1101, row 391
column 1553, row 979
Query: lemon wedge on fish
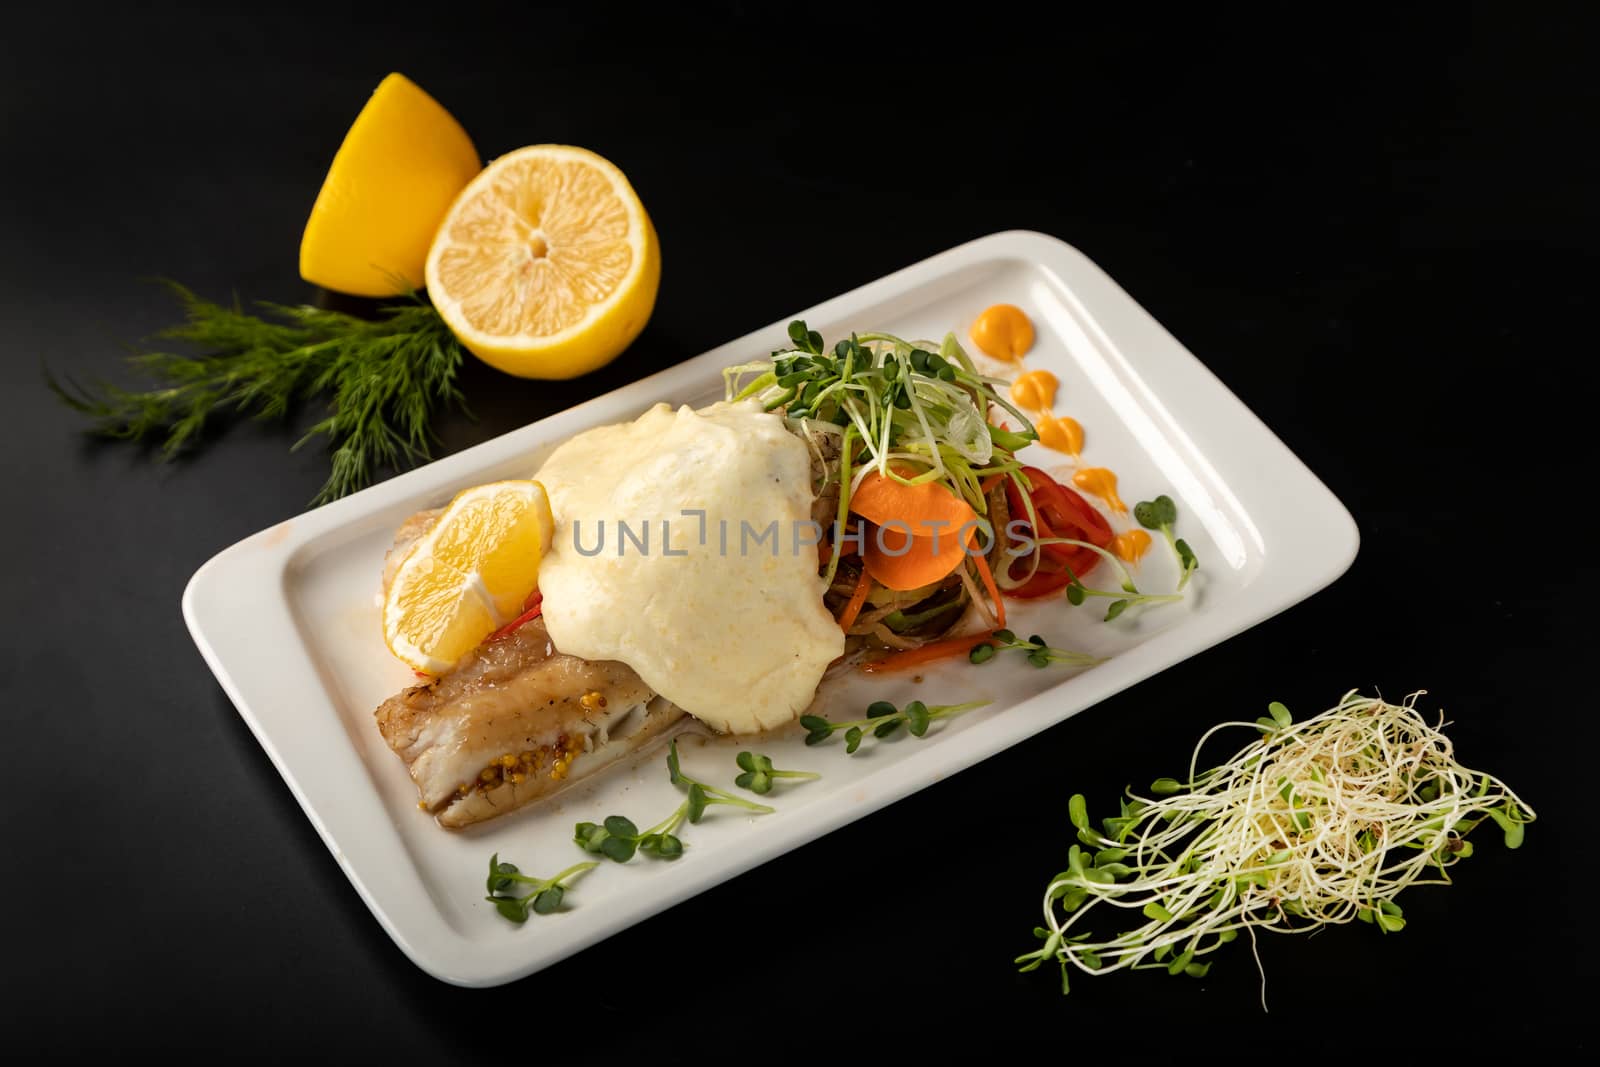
column 469, row 575
column 546, row 265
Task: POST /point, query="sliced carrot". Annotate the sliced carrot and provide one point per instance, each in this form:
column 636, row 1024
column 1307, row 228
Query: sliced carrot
column 988, row 484
column 925, row 510
column 902, row 562
column 929, row 653
column 852, row 608
column 994, row 590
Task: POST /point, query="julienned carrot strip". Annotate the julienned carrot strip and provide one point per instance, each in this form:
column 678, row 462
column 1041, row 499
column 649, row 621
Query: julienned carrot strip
column 534, row 607
column 852, row 608
column 994, row 590
column 988, row 484
column 915, row 657
column 511, row 627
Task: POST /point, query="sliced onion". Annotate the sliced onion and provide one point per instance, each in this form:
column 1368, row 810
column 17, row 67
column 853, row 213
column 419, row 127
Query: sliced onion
column 976, row 598
column 894, row 640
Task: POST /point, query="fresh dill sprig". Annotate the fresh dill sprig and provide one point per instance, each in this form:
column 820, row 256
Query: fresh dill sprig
column 384, row 380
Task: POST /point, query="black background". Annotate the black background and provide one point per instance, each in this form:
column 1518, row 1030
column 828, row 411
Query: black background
column 1376, row 228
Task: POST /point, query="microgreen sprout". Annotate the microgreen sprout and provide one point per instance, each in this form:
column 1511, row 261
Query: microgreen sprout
column 1037, row 650
column 617, row 838
column 702, row 796
column 1123, row 598
column 759, row 774
column 920, row 405
column 1077, row 593
column 1162, row 514
column 883, row 719
column 543, row 898
column 1318, row 822
column 805, row 340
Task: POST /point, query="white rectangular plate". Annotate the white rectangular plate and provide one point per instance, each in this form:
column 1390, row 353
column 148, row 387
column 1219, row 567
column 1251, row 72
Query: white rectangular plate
column 288, row 619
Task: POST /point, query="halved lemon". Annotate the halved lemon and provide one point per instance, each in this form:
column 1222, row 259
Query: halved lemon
column 402, row 163
column 546, row 265
column 469, row 575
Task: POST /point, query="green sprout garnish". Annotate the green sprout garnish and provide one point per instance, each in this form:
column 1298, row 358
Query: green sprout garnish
column 1126, row 598
column 702, row 796
column 883, row 719
column 617, row 838
column 1313, row 823
column 1162, row 514
column 1122, row 599
column 880, row 398
column 759, row 774
column 1037, row 650
column 545, row 896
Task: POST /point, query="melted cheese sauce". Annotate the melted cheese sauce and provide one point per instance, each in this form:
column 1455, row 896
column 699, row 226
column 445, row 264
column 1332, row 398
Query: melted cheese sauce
column 728, row 627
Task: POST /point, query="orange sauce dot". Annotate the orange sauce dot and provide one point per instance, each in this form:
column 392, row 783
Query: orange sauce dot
column 1003, row 332
column 1130, row 546
column 1100, row 482
column 1035, row 390
column 1062, row 433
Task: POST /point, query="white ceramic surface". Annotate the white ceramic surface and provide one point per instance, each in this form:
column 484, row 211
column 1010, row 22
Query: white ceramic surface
column 288, row 619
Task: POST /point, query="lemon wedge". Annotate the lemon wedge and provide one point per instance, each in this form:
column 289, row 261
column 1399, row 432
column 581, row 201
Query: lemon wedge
column 391, row 182
column 468, row 575
column 546, row 265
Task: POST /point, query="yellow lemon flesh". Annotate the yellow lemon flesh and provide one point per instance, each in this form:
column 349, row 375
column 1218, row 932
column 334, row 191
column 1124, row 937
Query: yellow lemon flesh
column 546, row 265
column 469, row 575
column 402, row 163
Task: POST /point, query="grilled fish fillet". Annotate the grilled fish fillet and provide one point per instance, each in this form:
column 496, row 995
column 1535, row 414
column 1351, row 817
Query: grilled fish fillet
column 515, row 720
column 409, row 533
